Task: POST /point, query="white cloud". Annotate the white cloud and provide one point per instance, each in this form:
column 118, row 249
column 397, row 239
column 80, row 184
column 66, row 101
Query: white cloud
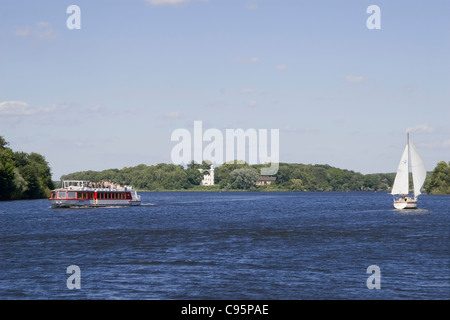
column 41, row 32
column 53, row 108
column 252, row 104
column 289, row 128
column 355, row 79
column 282, row 68
column 96, row 108
column 446, row 144
column 167, row 2
column 173, row 115
column 43, row 24
column 21, row 108
column 247, row 91
column 251, row 6
column 435, row 145
column 15, row 108
column 23, row 32
column 421, row 128
column 248, row 60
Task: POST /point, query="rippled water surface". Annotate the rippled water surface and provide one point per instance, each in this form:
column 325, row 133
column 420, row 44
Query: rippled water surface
column 229, row 245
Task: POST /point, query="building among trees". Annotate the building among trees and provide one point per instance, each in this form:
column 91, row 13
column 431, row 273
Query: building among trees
column 208, row 177
column 265, row 181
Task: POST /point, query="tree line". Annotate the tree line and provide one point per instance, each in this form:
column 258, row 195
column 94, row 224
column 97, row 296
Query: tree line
column 239, row 175
column 242, row 176
column 28, row 176
column 23, row 175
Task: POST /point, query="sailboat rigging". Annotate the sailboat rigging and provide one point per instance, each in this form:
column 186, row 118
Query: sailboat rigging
column 410, row 159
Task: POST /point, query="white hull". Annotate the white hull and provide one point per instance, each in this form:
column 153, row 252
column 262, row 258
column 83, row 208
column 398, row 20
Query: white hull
column 92, row 203
column 410, row 204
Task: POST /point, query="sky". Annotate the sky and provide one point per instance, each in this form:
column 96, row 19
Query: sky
column 111, row 93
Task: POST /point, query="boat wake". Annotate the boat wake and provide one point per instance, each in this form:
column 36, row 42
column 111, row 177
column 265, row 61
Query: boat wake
column 410, row 212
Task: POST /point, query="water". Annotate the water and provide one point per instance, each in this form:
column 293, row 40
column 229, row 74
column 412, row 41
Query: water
column 233, row 245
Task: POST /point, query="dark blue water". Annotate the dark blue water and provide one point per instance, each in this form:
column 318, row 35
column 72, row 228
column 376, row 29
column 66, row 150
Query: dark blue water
column 243, row 245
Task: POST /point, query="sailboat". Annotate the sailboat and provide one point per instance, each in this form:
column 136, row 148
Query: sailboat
column 410, row 160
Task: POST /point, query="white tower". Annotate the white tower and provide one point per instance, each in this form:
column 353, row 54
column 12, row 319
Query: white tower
column 208, row 179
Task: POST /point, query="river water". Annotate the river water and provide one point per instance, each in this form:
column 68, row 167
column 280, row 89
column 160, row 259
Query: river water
column 229, row 245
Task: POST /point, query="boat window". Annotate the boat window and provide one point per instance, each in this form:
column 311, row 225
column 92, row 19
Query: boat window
column 71, row 194
column 79, row 195
column 62, row 194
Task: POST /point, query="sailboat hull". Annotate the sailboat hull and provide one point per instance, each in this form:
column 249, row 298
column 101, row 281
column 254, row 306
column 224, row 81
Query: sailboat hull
column 409, row 204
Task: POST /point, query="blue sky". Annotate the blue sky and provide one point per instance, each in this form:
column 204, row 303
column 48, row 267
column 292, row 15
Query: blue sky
column 110, row 94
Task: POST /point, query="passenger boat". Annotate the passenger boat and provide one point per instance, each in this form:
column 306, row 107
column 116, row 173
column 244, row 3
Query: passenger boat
column 77, row 193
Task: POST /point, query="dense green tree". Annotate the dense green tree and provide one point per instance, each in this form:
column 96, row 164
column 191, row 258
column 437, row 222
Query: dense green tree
column 439, row 182
column 244, row 178
column 33, row 190
column 23, row 175
column 296, row 185
column 7, row 187
column 3, row 143
column 194, row 176
column 222, row 173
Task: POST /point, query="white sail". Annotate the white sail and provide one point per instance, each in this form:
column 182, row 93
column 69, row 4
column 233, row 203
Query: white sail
column 401, row 182
column 419, row 172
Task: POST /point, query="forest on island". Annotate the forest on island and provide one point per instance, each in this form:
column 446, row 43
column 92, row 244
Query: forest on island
column 28, row 176
column 242, row 176
column 238, row 176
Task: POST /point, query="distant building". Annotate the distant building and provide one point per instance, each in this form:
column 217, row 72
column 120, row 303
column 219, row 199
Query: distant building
column 264, row 181
column 208, row 179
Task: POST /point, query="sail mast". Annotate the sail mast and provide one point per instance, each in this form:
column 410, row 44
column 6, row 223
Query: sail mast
column 409, row 169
